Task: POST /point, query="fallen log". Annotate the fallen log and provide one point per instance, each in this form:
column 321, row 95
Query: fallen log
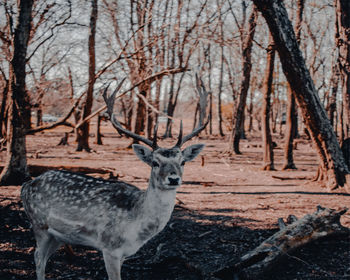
column 36, row 170
column 324, row 222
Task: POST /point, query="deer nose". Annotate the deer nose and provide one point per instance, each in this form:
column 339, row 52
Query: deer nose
column 173, row 181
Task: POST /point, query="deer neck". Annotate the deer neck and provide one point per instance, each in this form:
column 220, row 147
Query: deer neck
column 159, row 203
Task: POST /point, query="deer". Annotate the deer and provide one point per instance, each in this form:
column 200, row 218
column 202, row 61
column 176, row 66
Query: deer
column 114, row 217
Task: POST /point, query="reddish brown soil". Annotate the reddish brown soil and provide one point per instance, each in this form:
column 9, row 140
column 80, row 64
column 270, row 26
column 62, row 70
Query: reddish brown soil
column 226, row 207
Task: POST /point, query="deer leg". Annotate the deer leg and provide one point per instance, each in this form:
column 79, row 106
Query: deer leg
column 46, row 246
column 113, row 265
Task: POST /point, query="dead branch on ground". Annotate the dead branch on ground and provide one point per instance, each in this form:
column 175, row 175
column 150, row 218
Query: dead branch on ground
column 324, row 222
column 36, row 170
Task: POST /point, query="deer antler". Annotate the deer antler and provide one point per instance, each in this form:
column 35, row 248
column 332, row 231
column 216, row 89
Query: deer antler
column 181, row 140
column 116, row 124
column 153, row 144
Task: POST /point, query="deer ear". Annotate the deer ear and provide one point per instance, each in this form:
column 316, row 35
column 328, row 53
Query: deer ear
column 192, row 151
column 143, row 153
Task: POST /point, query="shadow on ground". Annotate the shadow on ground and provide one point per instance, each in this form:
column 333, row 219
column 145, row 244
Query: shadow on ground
column 192, row 246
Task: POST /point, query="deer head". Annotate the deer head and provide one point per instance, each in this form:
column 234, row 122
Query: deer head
column 167, row 163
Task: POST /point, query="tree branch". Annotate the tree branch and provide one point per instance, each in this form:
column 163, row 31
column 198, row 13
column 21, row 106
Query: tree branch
column 62, row 121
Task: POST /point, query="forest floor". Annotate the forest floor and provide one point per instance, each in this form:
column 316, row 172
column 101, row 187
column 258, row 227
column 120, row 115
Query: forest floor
column 226, row 207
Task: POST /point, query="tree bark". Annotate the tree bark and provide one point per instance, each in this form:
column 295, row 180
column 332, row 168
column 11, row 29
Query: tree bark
column 345, row 147
column 16, row 171
column 332, row 102
column 250, row 109
column 221, row 132
column 292, row 112
column 247, row 66
column 342, row 40
column 83, row 130
column 341, row 122
column 170, row 108
column 141, row 112
column 3, row 118
column 98, row 140
column 268, row 161
column 291, row 123
column 208, row 59
column 203, row 99
column 334, row 170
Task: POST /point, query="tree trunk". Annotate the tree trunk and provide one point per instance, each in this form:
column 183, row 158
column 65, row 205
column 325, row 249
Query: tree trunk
column 210, row 113
column 247, row 66
column 342, row 40
column 345, row 147
column 221, row 132
column 170, row 109
column 251, row 110
column 334, row 170
column 171, row 101
column 203, row 99
column 268, row 162
column 332, row 103
column 292, row 112
column 341, row 122
column 140, row 113
column 83, row 130
column 208, row 58
column 172, row 105
column 195, row 116
column 16, row 171
column 3, row 114
column 98, row 130
column 291, row 123
column 39, row 117
column 150, row 119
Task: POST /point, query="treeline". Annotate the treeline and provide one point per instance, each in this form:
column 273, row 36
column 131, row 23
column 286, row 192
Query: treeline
column 242, row 63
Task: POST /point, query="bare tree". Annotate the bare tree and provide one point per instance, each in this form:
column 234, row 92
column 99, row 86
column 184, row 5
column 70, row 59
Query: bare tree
column 222, row 40
column 334, row 171
column 268, row 160
column 246, row 69
column 3, row 115
column 83, row 130
column 203, row 100
column 150, row 51
column 332, row 96
column 292, row 113
column 342, row 41
column 179, row 51
column 16, row 170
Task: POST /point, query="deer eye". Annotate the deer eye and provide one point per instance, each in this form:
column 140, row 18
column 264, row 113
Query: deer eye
column 155, row 164
column 183, row 163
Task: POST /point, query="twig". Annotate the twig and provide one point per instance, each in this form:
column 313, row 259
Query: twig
column 180, row 201
column 204, row 233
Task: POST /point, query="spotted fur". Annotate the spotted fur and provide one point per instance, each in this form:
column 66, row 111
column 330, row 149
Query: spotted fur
column 114, row 217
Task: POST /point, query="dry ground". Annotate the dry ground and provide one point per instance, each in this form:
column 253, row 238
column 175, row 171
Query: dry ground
column 225, row 207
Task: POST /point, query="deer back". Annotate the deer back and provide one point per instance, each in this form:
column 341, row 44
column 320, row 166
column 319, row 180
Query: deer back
column 81, row 209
